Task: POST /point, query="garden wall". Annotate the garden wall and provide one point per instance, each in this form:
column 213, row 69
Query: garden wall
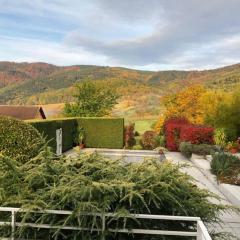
column 100, row 132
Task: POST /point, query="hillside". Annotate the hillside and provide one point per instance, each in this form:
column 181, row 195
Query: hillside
column 42, row 83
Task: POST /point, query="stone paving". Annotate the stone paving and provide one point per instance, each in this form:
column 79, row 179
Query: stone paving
column 231, row 221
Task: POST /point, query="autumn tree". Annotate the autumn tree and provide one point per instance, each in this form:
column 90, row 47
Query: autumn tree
column 91, row 100
column 186, row 103
column 226, row 113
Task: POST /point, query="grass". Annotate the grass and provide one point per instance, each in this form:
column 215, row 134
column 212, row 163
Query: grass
column 142, row 125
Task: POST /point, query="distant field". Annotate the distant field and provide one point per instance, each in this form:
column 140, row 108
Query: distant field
column 53, row 110
column 142, row 125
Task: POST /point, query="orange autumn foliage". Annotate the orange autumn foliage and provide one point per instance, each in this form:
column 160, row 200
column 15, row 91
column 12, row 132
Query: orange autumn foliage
column 186, row 104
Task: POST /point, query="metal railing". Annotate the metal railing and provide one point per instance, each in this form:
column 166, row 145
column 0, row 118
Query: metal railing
column 200, row 234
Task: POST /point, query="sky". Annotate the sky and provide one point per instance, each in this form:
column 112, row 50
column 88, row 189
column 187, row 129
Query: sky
column 141, row 34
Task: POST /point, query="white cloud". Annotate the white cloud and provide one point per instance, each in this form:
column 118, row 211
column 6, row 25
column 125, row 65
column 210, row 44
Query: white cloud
column 154, row 34
column 29, row 50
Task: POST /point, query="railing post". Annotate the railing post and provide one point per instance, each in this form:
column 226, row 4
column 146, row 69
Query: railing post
column 199, row 232
column 13, row 220
column 103, row 226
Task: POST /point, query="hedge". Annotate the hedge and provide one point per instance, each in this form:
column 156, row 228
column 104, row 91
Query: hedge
column 48, row 129
column 100, row 132
column 103, row 132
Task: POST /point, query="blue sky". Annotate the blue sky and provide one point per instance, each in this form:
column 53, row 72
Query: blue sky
column 143, row 34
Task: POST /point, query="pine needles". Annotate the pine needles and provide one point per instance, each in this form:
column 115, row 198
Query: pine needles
column 95, row 184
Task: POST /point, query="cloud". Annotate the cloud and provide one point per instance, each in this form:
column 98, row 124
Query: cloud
column 29, row 50
column 182, row 30
column 153, row 34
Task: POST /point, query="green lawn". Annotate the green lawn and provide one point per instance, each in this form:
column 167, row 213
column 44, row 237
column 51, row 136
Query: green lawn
column 143, row 125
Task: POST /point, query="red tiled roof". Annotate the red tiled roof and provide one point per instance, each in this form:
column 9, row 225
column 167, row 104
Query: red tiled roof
column 22, row 112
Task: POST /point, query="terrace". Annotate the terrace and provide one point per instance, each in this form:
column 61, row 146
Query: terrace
column 62, row 130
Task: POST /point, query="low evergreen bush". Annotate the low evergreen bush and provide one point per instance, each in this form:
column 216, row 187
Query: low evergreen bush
column 129, row 135
column 137, row 147
column 95, row 184
column 19, row 140
column 226, row 167
column 186, row 149
column 149, row 140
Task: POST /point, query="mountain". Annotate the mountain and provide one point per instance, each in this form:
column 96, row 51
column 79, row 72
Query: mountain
column 42, row 83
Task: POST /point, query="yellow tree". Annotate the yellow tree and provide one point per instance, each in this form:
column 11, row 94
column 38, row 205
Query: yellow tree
column 185, row 104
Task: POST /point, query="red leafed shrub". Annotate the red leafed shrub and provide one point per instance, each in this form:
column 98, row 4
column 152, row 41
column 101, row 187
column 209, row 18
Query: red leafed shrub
column 172, row 129
column 149, row 140
column 129, row 135
column 197, row 134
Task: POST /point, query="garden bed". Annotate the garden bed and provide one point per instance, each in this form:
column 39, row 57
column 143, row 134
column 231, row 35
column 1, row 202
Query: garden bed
column 231, row 192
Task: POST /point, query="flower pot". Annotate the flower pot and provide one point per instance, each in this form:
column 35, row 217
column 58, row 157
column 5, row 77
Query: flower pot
column 81, row 145
column 233, row 150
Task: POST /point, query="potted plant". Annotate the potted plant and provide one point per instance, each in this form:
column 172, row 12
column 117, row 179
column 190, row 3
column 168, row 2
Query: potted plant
column 232, row 147
column 80, row 137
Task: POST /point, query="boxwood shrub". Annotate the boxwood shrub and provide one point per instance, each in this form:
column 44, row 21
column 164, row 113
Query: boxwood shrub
column 187, row 149
column 149, row 140
column 19, row 140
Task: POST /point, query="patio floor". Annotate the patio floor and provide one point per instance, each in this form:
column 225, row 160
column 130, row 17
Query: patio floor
column 231, row 221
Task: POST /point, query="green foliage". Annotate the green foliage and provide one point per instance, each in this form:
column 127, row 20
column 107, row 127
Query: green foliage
column 95, row 184
column 137, row 147
column 98, row 132
column 186, row 149
column 220, row 137
column 103, row 132
column 149, row 140
column 48, row 129
column 204, row 149
column 227, row 115
column 91, row 100
column 161, row 140
column 79, row 135
column 19, row 140
column 224, row 164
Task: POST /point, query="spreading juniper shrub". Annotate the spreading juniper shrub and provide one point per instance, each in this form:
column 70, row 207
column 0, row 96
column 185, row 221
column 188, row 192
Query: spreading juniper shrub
column 91, row 183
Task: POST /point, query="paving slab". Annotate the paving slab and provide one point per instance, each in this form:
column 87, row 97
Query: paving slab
column 199, row 169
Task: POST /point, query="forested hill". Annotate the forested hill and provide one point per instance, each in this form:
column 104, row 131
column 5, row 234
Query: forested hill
column 41, row 83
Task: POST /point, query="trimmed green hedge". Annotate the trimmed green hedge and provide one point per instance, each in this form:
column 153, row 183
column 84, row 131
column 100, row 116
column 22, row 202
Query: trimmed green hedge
column 100, row 132
column 48, row 129
column 103, row 132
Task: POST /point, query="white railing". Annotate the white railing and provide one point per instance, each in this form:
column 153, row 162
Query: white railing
column 200, row 234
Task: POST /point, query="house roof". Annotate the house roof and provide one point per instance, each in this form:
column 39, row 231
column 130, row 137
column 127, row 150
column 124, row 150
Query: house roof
column 22, row 112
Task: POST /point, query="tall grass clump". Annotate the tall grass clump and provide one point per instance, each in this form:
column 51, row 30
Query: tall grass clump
column 95, row 184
